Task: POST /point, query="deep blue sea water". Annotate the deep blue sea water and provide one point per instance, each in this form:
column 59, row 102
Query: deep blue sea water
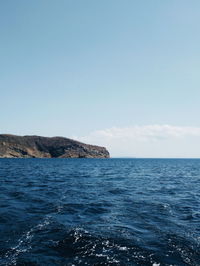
column 100, row 212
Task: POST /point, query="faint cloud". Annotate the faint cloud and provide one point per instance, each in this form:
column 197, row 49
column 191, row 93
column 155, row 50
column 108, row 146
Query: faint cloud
column 143, row 133
column 148, row 140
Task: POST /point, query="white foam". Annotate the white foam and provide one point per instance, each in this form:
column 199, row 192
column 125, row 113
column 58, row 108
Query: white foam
column 24, row 243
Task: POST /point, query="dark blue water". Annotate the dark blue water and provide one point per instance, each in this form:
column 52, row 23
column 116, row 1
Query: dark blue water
column 99, row 212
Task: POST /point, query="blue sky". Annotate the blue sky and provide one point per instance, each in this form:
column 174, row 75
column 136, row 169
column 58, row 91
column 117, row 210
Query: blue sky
column 74, row 68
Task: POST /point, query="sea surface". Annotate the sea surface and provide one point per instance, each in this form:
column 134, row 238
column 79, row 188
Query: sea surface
column 100, row 212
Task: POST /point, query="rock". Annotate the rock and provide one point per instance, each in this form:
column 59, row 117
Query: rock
column 12, row 146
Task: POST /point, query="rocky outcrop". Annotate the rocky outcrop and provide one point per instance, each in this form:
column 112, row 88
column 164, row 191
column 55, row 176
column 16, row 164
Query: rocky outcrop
column 12, row 146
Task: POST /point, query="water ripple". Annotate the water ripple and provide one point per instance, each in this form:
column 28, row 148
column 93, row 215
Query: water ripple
column 99, row 212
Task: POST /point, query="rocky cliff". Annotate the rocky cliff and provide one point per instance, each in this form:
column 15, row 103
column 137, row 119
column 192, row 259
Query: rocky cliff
column 12, row 146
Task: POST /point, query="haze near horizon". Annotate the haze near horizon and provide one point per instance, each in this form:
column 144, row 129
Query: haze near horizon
column 121, row 74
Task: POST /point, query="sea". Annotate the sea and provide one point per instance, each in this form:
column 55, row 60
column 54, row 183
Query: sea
column 100, row 212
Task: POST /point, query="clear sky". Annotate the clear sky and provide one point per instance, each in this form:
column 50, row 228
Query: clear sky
column 89, row 69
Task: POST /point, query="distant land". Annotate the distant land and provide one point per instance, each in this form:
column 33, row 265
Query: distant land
column 12, row 146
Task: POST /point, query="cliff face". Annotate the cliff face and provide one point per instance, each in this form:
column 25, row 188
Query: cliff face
column 12, row 146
